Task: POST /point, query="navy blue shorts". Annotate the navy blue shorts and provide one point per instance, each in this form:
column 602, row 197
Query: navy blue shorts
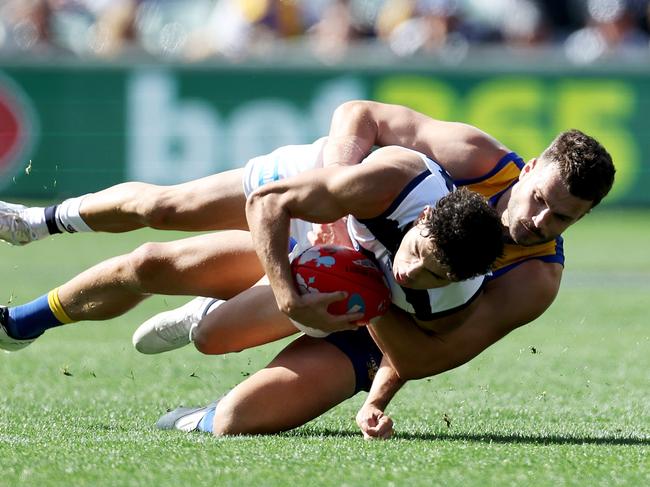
column 362, row 351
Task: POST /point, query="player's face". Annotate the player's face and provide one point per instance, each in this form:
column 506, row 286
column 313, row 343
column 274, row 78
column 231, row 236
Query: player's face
column 414, row 265
column 540, row 206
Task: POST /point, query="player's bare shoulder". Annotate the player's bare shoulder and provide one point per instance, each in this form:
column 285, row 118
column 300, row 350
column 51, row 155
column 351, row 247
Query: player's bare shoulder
column 524, row 292
column 464, row 150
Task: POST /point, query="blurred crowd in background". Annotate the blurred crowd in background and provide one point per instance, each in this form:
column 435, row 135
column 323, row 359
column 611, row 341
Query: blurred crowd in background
column 201, row 30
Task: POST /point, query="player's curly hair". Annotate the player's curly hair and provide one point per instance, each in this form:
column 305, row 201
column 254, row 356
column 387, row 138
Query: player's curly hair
column 585, row 165
column 467, row 233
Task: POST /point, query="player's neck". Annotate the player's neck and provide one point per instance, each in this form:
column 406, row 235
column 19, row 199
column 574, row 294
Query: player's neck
column 501, row 206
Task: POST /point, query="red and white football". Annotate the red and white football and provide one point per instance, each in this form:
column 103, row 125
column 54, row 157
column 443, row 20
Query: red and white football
column 330, row 268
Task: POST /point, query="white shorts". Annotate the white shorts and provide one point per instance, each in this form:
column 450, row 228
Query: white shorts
column 283, row 163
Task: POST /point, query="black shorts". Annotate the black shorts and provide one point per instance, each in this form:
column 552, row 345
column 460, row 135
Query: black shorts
column 362, row 351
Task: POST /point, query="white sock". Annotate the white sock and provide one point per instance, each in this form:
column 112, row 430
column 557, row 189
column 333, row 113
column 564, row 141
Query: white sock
column 35, row 217
column 67, row 216
column 212, row 304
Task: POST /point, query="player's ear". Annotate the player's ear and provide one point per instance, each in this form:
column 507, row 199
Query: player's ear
column 529, row 166
column 425, row 215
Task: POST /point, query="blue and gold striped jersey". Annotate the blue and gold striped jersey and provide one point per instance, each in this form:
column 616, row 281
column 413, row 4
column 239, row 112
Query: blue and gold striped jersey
column 492, row 185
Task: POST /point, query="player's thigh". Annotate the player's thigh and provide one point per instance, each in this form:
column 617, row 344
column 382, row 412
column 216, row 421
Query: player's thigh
column 247, row 320
column 218, row 264
column 214, row 202
column 305, row 380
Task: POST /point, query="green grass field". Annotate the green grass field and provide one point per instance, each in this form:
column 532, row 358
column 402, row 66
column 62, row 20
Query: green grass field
column 564, row 401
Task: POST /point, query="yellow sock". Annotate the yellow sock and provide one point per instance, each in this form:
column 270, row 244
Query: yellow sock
column 56, row 308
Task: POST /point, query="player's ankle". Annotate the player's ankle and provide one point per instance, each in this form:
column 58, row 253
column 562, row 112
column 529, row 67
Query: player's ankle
column 66, row 216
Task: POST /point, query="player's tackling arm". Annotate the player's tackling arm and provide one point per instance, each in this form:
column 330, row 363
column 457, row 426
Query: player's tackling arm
column 507, row 302
column 463, row 150
column 371, row 418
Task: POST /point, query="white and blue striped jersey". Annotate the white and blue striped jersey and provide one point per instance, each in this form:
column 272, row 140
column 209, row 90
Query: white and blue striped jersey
column 381, row 235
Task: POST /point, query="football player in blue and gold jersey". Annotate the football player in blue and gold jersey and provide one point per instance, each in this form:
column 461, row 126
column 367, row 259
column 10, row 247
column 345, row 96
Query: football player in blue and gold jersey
column 536, row 201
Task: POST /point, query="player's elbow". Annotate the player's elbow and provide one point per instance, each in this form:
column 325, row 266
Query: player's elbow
column 205, row 343
column 355, row 113
column 260, row 205
column 352, row 108
column 412, row 370
column 424, row 367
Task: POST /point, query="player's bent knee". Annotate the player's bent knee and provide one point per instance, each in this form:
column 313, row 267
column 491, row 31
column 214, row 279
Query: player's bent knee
column 147, row 264
column 228, row 421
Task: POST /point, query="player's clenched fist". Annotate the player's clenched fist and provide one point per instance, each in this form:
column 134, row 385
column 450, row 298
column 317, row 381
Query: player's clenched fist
column 374, row 424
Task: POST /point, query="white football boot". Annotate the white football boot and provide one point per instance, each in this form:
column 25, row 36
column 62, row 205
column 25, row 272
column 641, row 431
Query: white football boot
column 14, row 229
column 184, row 419
column 7, row 342
column 172, row 329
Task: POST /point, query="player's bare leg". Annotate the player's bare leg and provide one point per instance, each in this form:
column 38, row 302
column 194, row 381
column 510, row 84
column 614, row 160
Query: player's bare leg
column 220, row 265
column 249, row 319
column 305, row 380
column 308, row 378
column 217, row 326
column 215, row 202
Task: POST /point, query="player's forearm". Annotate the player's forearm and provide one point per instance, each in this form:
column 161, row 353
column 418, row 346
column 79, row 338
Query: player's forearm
column 371, row 417
column 415, row 353
column 384, row 386
column 407, row 364
column 512, row 300
column 268, row 222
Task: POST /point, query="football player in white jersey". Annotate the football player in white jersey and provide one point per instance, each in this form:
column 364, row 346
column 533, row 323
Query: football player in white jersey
column 224, row 264
column 429, row 277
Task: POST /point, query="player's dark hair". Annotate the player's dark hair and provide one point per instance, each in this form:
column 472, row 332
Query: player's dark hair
column 467, row 232
column 585, row 165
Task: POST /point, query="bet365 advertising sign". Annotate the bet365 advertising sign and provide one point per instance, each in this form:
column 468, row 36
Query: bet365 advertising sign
column 65, row 130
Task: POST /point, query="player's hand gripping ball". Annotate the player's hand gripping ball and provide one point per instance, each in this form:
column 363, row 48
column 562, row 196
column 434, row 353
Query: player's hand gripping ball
column 331, row 268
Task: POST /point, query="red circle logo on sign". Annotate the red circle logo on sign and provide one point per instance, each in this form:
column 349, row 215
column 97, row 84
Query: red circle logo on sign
column 15, row 127
column 9, row 131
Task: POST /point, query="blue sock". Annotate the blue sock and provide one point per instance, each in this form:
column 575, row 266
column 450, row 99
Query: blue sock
column 205, row 425
column 31, row 320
